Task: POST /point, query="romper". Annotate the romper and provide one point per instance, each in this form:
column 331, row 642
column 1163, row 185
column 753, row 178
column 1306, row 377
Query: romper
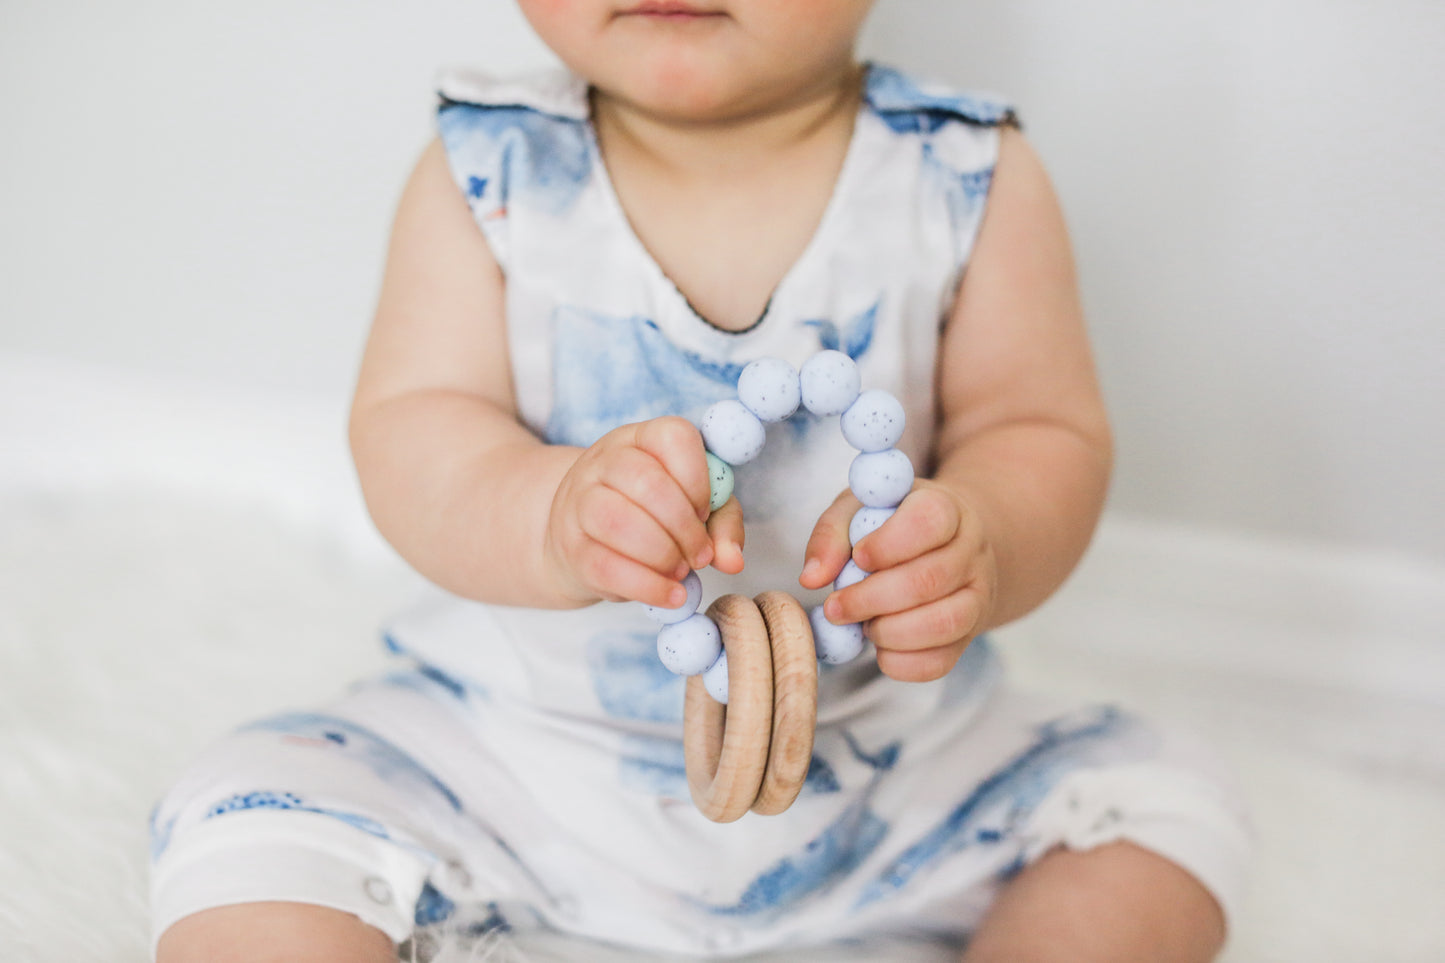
column 523, row 769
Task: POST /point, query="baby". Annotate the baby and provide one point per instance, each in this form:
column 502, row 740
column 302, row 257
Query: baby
column 581, row 264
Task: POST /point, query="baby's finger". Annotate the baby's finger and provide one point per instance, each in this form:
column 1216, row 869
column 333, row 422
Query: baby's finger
column 915, row 583
column 641, row 478
column 617, row 578
column 921, row 666
column 928, row 518
column 828, row 547
column 725, row 526
column 940, row 623
column 609, row 518
column 677, row 445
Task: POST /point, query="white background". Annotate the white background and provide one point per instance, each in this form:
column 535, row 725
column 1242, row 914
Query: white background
column 1254, row 187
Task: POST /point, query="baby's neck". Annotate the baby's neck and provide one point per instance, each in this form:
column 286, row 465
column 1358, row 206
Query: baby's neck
column 697, row 195
column 684, row 149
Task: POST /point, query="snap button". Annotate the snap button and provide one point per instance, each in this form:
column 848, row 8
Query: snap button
column 378, row 889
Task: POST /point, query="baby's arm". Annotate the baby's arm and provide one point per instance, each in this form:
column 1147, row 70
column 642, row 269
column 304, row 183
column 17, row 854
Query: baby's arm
column 1023, row 450
column 470, row 497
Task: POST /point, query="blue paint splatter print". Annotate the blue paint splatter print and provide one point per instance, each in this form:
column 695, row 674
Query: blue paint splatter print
column 825, row 860
column 1002, row 801
column 386, row 760
column 909, row 108
column 265, row 799
column 508, row 155
column 630, row 681
column 853, row 338
column 612, row 371
column 432, row 907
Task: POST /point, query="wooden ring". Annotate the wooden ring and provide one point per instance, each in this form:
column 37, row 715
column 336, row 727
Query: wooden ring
column 795, row 701
column 726, row 746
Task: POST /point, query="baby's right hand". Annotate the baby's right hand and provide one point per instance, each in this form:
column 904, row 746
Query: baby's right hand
column 630, row 518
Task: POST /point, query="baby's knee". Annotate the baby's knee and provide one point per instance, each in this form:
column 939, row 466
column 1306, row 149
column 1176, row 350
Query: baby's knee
column 273, row 931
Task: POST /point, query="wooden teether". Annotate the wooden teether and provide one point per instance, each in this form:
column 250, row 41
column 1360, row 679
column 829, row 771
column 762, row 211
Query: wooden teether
column 754, row 752
column 752, row 691
column 795, row 701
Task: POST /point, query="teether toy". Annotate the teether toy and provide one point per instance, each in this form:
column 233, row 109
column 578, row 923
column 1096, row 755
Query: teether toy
column 752, row 696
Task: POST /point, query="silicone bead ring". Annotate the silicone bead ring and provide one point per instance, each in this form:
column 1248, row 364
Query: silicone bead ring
column 751, row 704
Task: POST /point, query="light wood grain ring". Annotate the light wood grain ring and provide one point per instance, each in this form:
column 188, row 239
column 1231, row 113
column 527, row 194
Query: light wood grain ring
column 795, row 701
column 726, row 746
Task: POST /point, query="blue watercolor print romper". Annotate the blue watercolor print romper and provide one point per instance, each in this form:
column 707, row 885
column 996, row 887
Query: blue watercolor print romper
column 524, row 768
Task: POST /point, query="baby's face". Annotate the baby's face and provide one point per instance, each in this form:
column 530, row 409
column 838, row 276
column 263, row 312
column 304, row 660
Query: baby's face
column 702, row 59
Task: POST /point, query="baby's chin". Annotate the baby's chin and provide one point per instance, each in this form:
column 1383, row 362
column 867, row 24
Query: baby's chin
column 692, row 96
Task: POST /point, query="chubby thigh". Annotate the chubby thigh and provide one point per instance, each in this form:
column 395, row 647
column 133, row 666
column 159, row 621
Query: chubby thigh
column 413, row 803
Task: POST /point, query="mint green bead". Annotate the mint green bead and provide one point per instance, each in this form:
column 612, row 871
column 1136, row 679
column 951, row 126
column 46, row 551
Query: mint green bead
column 720, row 481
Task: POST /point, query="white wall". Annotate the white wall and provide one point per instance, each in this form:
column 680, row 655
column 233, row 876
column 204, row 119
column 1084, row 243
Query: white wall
column 203, row 190
column 1256, row 196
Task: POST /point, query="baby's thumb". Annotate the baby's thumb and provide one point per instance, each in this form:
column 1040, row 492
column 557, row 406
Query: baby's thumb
column 828, row 548
column 725, row 527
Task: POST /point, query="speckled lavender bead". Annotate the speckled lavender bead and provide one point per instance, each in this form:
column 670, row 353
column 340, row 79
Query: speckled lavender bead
column 829, row 381
column 693, row 584
column 881, row 479
column 866, row 521
column 769, row 389
column 715, row 679
column 732, row 432
column 874, row 422
column 851, row 575
column 720, row 482
column 690, row 646
column 835, row 644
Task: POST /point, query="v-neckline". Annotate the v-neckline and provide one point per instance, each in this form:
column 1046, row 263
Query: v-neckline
column 841, row 184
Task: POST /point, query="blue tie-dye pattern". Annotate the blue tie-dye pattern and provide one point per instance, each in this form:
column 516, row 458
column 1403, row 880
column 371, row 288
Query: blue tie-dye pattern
column 826, row 859
column 610, row 371
column 1006, row 796
column 432, row 907
column 266, row 799
column 907, row 108
column 427, row 678
column 821, row 778
column 855, row 337
column 963, row 191
column 653, row 764
column 540, row 160
column 388, row 761
column 657, row 765
column 630, row 681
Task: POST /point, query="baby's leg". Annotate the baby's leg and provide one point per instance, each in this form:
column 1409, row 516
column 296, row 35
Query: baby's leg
column 1115, row 904
column 274, row 933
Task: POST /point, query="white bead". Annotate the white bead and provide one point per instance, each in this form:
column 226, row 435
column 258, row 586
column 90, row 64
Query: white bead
column 769, row 389
column 866, row 521
column 732, row 432
column 829, row 381
column 835, row 644
column 873, row 422
column 715, row 679
column 851, row 575
column 690, row 646
column 881, row 479
column 693, row 584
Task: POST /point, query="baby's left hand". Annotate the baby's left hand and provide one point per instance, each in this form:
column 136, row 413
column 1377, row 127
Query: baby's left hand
column 932, row 583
